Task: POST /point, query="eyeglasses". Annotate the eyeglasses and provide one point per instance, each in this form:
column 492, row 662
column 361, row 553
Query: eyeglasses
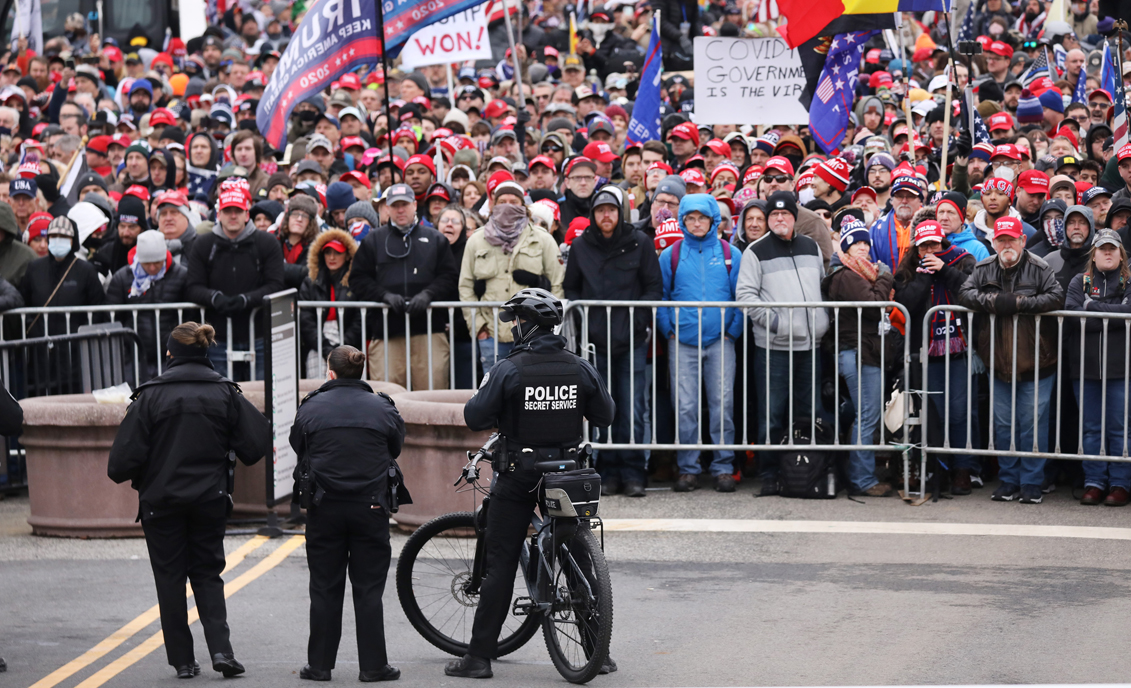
column 777, row 178
column 450, row 221
column 665, row 204
column 583, row 178
column 696, row 220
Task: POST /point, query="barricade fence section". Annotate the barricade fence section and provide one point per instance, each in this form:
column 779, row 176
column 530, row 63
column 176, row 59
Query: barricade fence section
column 722, row 377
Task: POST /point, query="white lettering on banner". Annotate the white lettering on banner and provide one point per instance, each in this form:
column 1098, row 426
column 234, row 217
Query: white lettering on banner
column 458, row 38
column 748, row 81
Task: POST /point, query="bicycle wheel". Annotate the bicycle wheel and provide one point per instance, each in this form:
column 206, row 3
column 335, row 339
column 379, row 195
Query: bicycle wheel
column 432, row 573
column 580, row 624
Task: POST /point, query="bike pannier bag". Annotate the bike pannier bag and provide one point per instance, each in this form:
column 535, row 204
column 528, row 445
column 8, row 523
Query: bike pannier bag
column 573, row 494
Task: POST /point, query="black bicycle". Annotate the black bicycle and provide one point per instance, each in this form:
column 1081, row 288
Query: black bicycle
column 562, row 568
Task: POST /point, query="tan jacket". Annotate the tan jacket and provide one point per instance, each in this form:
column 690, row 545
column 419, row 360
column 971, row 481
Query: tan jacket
column 536, row 252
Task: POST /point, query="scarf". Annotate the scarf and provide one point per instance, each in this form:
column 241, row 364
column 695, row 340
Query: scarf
column 861, row 267
column 505, row 226
column 142, row 279
column 899, row 240
column 940, row 296
column 291, row 254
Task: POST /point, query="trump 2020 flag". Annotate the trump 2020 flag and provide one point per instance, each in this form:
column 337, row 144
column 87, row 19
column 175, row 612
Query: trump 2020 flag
column 836, row 88
column 645, row 123
column 335, row 37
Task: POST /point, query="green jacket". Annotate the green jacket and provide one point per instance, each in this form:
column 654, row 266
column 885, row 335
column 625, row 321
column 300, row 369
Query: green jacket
column 14, row 254
column 535, row 252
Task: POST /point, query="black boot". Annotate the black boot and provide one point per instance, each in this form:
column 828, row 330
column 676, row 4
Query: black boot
column 309, row 673
column 385, row 673
column 609, row 666
column 469, row 667
column 227, row 664
column 188, row 670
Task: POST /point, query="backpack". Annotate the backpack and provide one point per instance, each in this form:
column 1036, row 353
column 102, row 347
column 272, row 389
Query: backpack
column 804, row 472
column 679, row 245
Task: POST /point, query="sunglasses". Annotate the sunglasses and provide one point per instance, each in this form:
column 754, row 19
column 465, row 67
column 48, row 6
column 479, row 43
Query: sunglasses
column 552, row 149
column 777, row 178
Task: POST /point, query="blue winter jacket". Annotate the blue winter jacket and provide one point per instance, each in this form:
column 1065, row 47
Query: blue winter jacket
column 701, row 276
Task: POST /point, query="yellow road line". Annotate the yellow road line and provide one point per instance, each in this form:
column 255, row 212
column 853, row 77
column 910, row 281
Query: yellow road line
column 129, row 630
column 157, row 639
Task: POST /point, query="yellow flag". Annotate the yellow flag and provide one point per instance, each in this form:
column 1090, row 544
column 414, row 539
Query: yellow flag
column 572, row 33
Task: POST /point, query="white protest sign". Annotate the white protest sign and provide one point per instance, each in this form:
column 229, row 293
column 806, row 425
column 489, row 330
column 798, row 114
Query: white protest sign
column 748, row 81
column 458, row 38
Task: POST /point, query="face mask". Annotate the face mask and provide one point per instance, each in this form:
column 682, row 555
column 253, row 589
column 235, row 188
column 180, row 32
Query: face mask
column 275, row 36
column 1054, row 230
column 59, row 246
column 805, row 195
column 248, row 125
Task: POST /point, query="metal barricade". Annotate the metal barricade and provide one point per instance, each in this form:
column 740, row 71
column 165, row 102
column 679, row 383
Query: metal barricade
column 976, row 367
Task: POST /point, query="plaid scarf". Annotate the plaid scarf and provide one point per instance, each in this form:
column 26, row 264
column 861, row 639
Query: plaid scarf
column 940, row 324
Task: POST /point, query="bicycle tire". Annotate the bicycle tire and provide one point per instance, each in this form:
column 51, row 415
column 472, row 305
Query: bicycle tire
column 596, row 635
column 410, row 568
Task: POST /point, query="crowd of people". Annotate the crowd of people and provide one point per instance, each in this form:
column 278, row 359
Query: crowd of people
column 410, row 188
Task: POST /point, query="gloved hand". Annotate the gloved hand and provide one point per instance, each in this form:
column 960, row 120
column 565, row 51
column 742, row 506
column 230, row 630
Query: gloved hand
column 419, row 303
column 480, row 288
column 1005, row 303
column 963, row 145
column 529, row 279
column 523, row 116
column 394, row 301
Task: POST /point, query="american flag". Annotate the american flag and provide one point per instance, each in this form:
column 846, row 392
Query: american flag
column 966, row 31
column 767, row 11
column 1041, row 68
column 1111, row 82
column 980, row 133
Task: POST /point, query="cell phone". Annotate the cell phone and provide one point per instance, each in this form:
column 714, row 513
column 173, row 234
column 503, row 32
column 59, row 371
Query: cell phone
column 69, row 63
column 970, row 47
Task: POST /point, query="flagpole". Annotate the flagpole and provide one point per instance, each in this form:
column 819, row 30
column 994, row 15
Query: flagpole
column 451, row 84
column 517, row 78
column 906, row 89
column 385, row 80
column 1120, row 27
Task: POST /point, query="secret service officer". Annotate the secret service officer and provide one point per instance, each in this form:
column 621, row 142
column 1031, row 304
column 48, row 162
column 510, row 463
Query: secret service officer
column 173, row 446
column 538, row 363
column 347, row 438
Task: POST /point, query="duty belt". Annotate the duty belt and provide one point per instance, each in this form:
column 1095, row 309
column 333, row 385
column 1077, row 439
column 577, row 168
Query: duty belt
column 541, row 459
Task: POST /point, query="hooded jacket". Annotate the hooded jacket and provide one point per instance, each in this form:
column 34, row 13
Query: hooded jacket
column 73, row 281
column 250, row 265
column 1102, row 292
column 623, row 268
column 1038, row 244
column 15, row 255
column 322, row 285
column 1068, row 262
column 168, row 289
column 738, row 237
column 701, row 275
column 982, row 230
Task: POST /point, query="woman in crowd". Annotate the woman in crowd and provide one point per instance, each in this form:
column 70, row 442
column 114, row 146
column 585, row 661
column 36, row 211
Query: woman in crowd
column 471, row 195
column 247, row 152
column 1098, row 369
column 328, row 263
column 453, row 224
column 296, row 231
column 203, row 164
column 927, row 277
column 853, row 277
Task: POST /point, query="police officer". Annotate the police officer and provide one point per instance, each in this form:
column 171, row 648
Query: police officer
column 347, row 438
column 539, row 359
column 173, row 446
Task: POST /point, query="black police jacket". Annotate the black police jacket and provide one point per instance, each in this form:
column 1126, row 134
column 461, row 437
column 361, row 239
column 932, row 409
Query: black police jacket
column 173, row 443
column 350, row 437
column 502, row 393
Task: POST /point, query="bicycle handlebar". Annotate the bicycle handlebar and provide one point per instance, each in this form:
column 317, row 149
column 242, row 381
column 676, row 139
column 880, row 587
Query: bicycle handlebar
column 470, row 472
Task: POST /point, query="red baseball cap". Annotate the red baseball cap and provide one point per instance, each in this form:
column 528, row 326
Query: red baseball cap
column 576, row 226
column 496, row 108
column 880, row 80
column 1008, row 150
column 581, row 161
column 1034, row 182
column 334, row 245
column 599, row 151
column 496, row 179
column 686, row 130
column 1008, row 226
column 998, row 184
column 928, row 230
column 112, row 53
column 544, row 160
column 694, row 176
column 753, row 174
column 1000, row 120
column 863, row 191
column 659, row 165
column 350, row 81
column 353, row 141
column 354, row 175
column 1124, row 152
column 139, row 191
column 1100, row 91
column 99, row 144
column 552, row 205
column 780, row 164
column 233, row 197
column 1001, row 49
column 718, row 147
column 162, row 116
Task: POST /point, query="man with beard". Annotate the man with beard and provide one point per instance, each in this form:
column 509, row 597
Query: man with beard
column 779, row 176
column 1023, row 361
column 1073, row 256
column 970, row 163
column 132, row 221
column 141, row 98
column 879, row 170
column 891, row 234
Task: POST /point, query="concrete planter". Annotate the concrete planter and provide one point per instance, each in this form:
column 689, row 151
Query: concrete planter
column 435, row 449
column 250, row 493
column 68, row 440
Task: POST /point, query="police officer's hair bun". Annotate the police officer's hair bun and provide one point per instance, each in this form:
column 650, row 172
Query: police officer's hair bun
column 347, row 362
column 194, row 334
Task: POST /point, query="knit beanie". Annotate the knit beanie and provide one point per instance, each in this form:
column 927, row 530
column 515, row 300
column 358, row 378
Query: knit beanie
column 852, row 232
column 835, row 172
column 362, row 210
column 131, row 209
column 1030, row 109
column 339, row 196
column 957, row 200
column 782, row 200
column 1050, row 99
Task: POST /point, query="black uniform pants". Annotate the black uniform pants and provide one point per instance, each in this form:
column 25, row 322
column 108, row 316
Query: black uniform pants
column 190, row 544
column 340, row 536
column 514, row 497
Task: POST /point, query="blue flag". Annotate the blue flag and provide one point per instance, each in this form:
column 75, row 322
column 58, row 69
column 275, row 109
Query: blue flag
column 645, row 122
column 966, row 31
column 836, row 89
column 1109, row 80
column 1080, row 93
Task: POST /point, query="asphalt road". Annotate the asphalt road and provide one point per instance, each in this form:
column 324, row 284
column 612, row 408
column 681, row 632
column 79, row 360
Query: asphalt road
column 692, row 608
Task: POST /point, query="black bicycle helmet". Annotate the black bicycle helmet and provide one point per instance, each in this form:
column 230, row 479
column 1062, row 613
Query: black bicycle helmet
column 533, row 305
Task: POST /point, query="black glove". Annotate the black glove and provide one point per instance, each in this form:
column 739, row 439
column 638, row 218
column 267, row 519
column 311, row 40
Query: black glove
column 963, row 145
column 523, row 116
column 480, row 288
column 1005, row 303
column 419, row 303
column 394, row 301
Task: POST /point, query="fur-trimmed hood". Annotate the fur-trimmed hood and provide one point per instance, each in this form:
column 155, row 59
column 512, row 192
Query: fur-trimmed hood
column 314, row 257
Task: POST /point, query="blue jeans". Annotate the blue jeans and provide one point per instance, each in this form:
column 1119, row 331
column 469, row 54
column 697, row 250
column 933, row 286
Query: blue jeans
column 866, row 391
column 1019, row 423
column 461, row 355
column 954, row 397
column 718, row 370
column 487, row 358
column 218, row 354
column 1103, row 474
column 774, row 392
column 625, row 464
